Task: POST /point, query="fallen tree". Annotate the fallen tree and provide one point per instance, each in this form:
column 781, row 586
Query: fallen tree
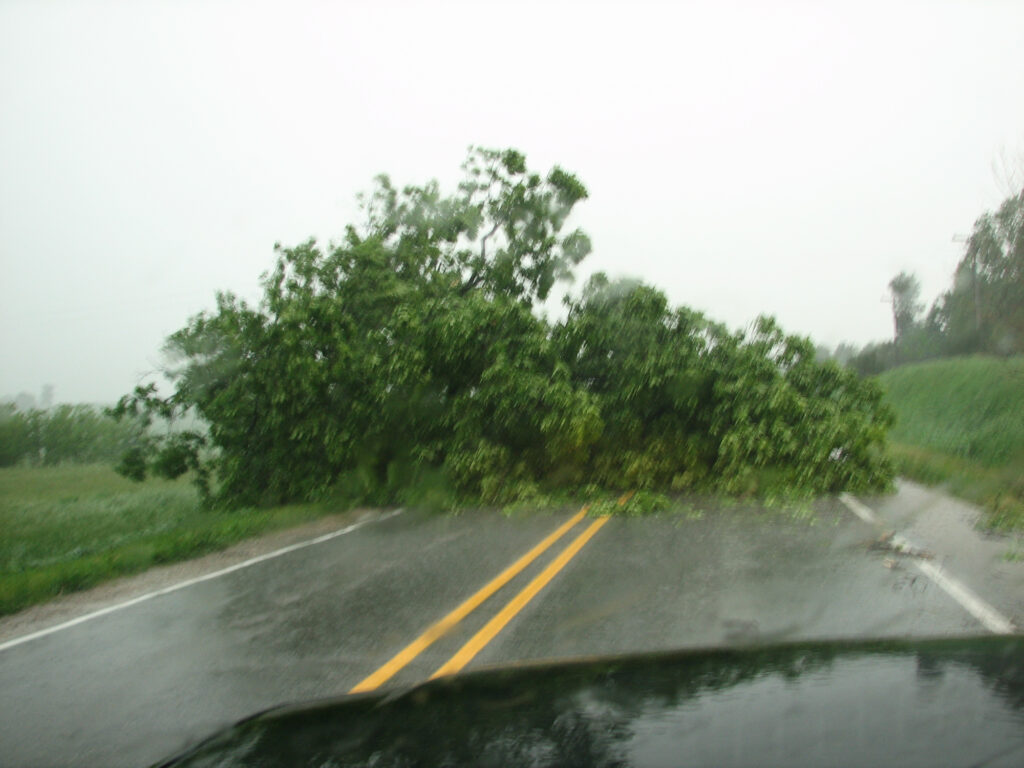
column 406, row 363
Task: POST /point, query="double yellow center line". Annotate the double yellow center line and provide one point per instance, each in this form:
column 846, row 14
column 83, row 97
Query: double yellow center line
column 496, row 624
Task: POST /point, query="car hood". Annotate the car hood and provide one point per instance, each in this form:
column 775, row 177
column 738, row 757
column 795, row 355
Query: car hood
column 924, row 702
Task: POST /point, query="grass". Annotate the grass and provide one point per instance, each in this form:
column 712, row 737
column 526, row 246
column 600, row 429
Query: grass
column 960, row 424
column 72, row 527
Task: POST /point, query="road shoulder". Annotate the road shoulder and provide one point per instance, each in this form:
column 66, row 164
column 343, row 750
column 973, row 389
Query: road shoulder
column 948, row 529
column 73, row 605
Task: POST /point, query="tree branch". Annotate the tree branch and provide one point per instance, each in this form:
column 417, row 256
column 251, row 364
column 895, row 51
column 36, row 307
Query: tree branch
column 477, row 276
column 473, row 282
column 483, row 240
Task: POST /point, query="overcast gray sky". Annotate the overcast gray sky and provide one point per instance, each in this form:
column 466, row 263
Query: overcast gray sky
column 785, row 158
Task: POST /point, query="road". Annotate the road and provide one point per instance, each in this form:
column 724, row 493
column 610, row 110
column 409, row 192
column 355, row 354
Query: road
column 397, row 599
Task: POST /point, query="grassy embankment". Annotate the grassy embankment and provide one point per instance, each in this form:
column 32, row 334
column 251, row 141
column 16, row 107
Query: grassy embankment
column 71, row 527
column 960, row 424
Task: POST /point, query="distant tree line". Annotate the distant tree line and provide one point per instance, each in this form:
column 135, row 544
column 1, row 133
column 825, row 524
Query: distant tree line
column 62, row 434
column 26, row 401
column 981, row 313
column 408, row 358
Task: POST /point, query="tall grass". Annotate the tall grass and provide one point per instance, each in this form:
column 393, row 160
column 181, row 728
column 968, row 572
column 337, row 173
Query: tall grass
column 72, row 527
column 960, row 423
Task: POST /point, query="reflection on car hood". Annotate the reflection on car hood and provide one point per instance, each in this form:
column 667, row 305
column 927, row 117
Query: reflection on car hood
column 938, row 702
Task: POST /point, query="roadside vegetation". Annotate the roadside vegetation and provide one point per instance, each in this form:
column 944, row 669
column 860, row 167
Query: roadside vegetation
column 64, row 433
column 960, row 424
column 72, row 527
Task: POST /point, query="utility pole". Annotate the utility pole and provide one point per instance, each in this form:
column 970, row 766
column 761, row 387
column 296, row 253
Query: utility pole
column 895, row 322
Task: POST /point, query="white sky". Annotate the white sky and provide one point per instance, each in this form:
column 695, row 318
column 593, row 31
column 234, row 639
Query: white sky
column 746, row 158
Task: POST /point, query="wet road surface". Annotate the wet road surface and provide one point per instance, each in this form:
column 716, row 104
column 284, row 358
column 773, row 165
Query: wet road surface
column 138, row 684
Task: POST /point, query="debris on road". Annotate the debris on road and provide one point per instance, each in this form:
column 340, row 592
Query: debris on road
column 891, row 542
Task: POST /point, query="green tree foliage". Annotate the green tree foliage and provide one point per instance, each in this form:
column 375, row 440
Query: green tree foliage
column 687, row 404
column 990, row 279
column 649, row 369
column 408, row 356
column 16, row 442
column 64, row 434
column 982, row 312
column 905, row 290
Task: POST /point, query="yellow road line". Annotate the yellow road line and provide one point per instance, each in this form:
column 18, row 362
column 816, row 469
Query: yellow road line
column 417, row 646
column 516, row 604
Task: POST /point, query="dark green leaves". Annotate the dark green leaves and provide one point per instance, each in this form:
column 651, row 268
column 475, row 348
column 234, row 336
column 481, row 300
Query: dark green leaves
column 688, row 405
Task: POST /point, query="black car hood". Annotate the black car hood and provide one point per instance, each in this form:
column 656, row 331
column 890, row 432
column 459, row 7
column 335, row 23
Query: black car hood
column 936, row 702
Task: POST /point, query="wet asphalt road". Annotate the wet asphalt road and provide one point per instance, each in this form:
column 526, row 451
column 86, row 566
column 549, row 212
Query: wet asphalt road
column 141, row 683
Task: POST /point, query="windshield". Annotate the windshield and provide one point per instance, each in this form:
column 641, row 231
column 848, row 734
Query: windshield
column 350, row 346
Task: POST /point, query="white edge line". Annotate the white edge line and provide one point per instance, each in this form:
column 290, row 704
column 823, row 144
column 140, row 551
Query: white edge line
column 860, row 510
column 992, row 620
column 989, row 617
column 189, row 582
